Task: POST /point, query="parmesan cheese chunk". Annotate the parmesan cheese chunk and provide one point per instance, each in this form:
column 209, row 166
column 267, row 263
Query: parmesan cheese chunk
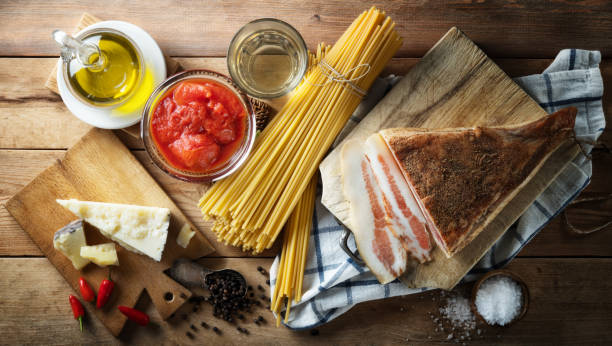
column 184, row 236
column 142, row 230
column 102, row 255
column 68, row 240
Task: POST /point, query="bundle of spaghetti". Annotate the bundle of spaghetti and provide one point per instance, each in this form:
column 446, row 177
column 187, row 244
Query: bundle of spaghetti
column 250, row 208
column 288, row 285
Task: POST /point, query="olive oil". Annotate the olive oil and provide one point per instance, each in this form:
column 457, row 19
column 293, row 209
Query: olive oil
column 117, row 76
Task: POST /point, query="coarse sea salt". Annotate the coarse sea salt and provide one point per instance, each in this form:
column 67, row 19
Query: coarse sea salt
column 457, row 311
column 499, row 300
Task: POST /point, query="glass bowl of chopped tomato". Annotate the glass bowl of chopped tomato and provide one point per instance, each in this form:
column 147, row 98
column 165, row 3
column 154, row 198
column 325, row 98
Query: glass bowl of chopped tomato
column 198, row 126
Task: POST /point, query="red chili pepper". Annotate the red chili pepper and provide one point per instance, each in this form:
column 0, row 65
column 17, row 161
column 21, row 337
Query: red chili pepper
column 77, row 309
column 106, row 288
column 86, row 291
column 135, row 315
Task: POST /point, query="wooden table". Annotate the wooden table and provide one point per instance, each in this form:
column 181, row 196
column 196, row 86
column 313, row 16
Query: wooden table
column 569, row 277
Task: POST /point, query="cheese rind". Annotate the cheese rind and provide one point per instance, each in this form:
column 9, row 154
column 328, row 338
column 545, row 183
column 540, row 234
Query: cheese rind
column 143, row 230
column 184, row 236
column 68, row 240
column 102, row 255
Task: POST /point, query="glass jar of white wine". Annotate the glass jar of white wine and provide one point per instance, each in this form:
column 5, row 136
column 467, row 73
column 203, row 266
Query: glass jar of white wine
column 267, row 58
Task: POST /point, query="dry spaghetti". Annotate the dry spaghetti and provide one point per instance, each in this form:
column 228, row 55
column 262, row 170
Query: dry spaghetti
column 288, row 285
column 250, row 208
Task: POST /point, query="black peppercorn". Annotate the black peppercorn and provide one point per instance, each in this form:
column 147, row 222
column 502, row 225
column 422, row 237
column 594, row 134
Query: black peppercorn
column 193, row 328
column 314, row 332
column 204, row 325
column 189, row 335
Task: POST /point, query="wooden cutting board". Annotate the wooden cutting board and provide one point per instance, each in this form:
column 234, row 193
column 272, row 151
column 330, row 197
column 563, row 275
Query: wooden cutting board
column 100, row 168
column 454, row 85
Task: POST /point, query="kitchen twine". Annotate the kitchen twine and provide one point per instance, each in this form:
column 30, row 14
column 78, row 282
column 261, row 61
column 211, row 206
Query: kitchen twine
column 334, row 75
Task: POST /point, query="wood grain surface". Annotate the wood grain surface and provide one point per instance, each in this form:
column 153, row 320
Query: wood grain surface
column 566, row 274
column 504, row 28
column 570, row 304
column 100, row 168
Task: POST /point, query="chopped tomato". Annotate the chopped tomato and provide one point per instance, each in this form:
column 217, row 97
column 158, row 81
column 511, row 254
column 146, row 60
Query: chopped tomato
column 198, row 125
column 196, row 151
column 187, row 92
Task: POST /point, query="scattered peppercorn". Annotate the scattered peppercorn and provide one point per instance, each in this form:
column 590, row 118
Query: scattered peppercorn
column 314, row 332
column 263, row 296
column 204, row 325
column 189, row 335
column 193, row 328
column 216, row 330
column 243, row 330
column 250, row 288
column 260, row 288
column 268, row 282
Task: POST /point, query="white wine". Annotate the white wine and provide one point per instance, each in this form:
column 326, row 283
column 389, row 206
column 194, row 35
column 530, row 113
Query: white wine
column 267, row 58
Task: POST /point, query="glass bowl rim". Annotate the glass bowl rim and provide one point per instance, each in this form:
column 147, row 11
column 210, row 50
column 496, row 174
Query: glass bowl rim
column 243, row 150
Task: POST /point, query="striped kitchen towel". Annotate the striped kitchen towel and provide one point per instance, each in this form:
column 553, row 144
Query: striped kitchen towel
column 334, row 283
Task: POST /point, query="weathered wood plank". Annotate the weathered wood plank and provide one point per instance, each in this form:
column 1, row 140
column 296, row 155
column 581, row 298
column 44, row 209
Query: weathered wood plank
column 33, row 117
column 21, row 166
column 503, row 28
column 570, row 304
column 18, row 167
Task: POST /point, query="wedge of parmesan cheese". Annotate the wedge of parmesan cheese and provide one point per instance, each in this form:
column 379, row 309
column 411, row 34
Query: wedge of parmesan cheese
column 102, row 255
column 142, row 230
column 184, row 236
column 68, row 240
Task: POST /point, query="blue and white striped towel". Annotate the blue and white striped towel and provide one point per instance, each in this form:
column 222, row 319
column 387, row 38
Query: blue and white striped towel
column 333, row 283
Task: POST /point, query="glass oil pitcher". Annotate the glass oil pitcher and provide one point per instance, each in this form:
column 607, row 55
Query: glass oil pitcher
column 102, row 67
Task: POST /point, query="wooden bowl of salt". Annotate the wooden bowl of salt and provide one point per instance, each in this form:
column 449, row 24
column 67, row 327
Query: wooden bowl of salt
column 499, row 298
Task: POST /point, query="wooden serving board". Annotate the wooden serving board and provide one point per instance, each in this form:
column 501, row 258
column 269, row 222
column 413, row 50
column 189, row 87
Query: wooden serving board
column 100, row 168
column 454, row 85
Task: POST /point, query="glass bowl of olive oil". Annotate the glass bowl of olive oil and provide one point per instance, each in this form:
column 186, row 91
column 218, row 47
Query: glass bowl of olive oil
column 112, row 76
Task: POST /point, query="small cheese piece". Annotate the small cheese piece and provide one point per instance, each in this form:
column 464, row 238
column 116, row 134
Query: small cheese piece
column 102, row 255
column 184, row 236
column 68, row 240
column 143, row 230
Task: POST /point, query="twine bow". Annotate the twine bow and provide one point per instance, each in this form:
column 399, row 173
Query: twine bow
column 334, row 75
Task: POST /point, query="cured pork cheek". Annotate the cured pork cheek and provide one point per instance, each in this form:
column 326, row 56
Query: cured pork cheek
column 405, row 217
column 380, row 250
column 463, row 177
